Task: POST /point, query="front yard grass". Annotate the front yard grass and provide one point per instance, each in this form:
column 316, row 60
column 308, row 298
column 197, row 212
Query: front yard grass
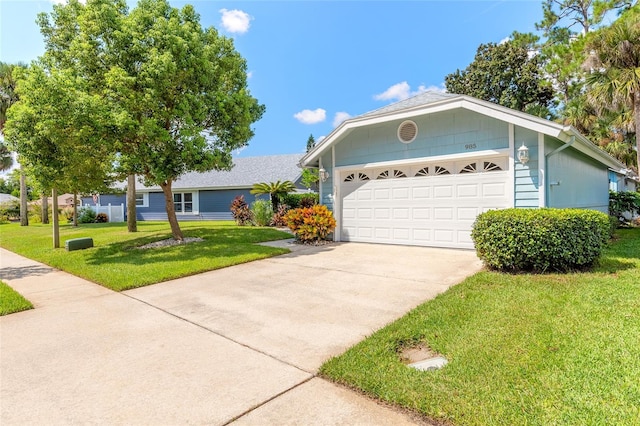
column 116, row 263
column 522, row 349
column 11, row 301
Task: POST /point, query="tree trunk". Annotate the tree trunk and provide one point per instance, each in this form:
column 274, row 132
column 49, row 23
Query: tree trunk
column 636, row 119
column 56, row 225
column 132, row 222
column 24, row 207
column 44, row 213
column 75, row 210
column 171, row 211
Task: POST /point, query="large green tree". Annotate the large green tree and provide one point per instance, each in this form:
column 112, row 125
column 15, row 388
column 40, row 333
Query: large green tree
column 613, row 81
column 8, row 97
column 178, row 92
column 57, row 128
column 506, row 74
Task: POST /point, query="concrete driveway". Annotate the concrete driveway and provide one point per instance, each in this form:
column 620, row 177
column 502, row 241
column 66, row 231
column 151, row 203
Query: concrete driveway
column 238, row 345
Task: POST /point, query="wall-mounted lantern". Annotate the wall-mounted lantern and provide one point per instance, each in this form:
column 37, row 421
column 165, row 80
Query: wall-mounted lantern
column 523, row 154
column 324, row 175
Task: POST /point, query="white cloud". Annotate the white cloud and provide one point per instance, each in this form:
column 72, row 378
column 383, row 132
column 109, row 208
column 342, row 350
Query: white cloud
column 306, row 116
column 340, row 117
column 235, row 21
column 249, row 74
column 505, row 40
column 401, row 91
column 320, row 139
column 66, row 1
column 398, row 92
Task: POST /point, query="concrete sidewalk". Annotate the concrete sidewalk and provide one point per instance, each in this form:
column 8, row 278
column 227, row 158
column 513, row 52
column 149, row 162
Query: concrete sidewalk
column 237, row 345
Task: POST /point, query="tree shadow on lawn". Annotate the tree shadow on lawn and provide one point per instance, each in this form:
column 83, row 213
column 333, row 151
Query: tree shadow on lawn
column 218, row 243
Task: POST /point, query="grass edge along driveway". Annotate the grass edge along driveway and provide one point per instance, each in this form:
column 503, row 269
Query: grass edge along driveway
column 11, row 301
column 116, row 263
column 522, row 349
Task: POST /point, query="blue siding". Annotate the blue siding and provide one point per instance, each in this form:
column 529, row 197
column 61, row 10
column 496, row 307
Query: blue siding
column 527, row 175
column 220, row 201
column 442, row 133
column 576, row 181
column 327, row 186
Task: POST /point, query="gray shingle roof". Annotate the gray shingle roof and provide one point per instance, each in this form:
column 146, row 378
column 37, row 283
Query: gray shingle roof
column 4, row 198
column 420, row 99
column 246, row 172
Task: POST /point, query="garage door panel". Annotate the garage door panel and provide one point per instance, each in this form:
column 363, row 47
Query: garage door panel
column 382, row 213
column 467, row 190
column 382, row 194
column 400, row 193
column 443, row 191
column 400, row 213
column 422, row 235
column 443, row 213
column 425, row 210
column 467, row 213
column 421, row 192
column 421, row 213
column 401, row 233
column 494, row 189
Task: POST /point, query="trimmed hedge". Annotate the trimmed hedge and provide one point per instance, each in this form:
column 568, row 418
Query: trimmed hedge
column 296, row 200
column 540, row 240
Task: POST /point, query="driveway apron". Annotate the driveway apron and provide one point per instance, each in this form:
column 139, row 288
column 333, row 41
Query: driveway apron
column 237, row 345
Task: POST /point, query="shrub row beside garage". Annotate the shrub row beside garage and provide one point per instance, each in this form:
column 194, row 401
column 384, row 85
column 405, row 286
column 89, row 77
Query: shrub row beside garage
column 540, row 240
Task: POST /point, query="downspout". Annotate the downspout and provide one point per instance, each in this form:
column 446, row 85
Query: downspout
column 546, row 166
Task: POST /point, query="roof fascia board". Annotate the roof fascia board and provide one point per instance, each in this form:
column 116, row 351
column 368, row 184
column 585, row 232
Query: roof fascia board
column 499, row 112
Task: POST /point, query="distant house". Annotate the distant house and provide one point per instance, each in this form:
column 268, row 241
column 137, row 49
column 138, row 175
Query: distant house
column 8, row 198
column 208, row 196
column 419, row 171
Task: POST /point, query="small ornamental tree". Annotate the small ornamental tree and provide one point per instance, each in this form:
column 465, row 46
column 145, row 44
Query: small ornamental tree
column 240, row 211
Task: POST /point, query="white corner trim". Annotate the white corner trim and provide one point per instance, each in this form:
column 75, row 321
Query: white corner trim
column 511, row 184
column 542, row 169
column 337, row 200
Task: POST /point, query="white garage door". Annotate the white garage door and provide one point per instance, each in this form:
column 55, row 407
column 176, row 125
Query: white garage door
column 428, row 204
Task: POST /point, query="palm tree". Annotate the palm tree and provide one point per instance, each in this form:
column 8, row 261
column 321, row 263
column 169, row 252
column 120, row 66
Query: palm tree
column 274, row 189
column 8, row 97
column 614, row 82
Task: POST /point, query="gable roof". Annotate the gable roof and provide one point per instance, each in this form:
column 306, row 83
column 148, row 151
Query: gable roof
column 245, row 173
column 430, row 102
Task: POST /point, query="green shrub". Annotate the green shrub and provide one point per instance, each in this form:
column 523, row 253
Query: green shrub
column 262, row 212
column 86, row 215
column 540, row 240
column 296, row 200
column 10, row 210
column 623, row 202
column 278, row 217
column 240, row 211
column 311, row 223
column 102, row 218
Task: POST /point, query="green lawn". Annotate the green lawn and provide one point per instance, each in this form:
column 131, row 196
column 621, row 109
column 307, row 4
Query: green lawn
column 11, row 301
column 522, row 349
column 116, row 263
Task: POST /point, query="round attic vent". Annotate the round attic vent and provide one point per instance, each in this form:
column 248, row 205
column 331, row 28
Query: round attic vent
column 407, row 131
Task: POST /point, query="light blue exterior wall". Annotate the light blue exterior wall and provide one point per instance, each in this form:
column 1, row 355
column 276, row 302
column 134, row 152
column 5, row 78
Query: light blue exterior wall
column 575, row 180
column 527, row 179
column 443, row 133
column 327, row 186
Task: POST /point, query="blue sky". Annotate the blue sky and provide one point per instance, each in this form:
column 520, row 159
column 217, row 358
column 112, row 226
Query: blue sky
column 315, row 63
